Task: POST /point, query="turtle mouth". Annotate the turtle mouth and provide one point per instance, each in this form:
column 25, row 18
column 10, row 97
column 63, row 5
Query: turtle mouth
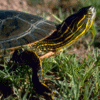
column 92, row 12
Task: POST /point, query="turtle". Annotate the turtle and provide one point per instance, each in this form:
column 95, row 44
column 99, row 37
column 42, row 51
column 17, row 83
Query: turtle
column 19, row 30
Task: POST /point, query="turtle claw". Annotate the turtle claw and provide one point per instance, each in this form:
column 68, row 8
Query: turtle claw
column 55, row 92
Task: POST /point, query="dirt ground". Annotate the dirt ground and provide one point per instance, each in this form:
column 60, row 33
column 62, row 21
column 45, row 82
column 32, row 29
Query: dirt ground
column 35, row 6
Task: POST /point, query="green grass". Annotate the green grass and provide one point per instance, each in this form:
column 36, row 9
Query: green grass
column 79, row 78
column 75, row 78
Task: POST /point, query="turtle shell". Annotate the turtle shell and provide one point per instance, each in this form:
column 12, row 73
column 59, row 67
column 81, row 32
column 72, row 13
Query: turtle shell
column 19, row 28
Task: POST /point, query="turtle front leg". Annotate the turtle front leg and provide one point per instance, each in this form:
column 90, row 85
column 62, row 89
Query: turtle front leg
column 31, row 58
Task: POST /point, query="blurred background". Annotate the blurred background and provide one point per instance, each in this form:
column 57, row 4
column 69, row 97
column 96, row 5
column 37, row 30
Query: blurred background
column 61, row 8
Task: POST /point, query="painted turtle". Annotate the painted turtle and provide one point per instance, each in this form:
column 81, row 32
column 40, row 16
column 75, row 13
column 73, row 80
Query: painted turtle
column 19, row 29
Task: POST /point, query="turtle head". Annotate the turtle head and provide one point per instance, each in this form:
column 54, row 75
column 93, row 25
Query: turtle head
column 86, row 15
column 89, row 12
column 80, row 22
